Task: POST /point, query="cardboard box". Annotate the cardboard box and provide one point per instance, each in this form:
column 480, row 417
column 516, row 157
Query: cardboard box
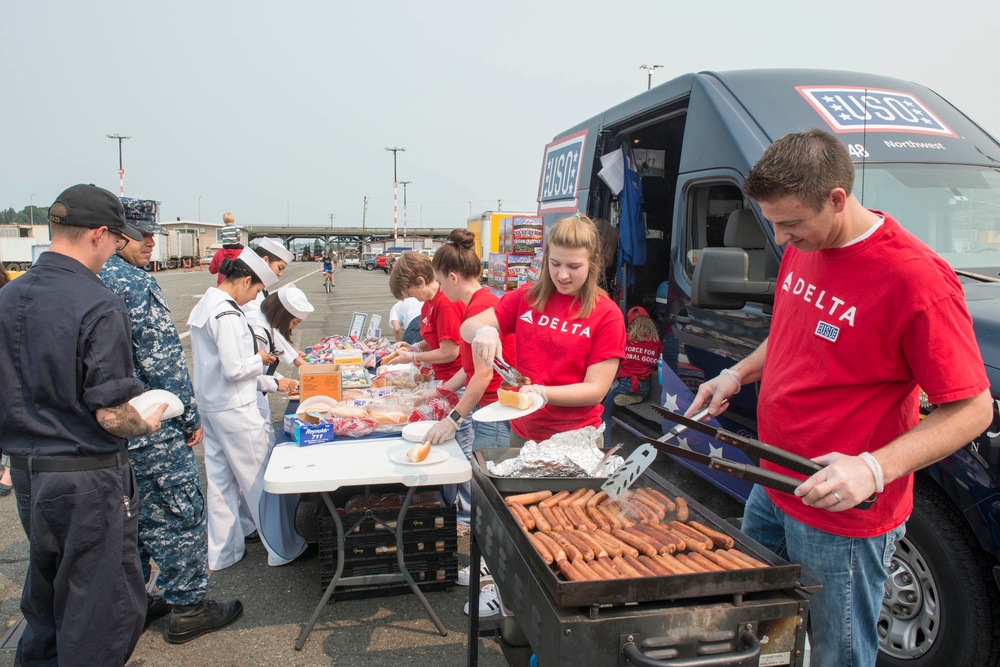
column 506, row 268
column 525, row 234
column 305, row 434
column 347, row 356
column 319, row 380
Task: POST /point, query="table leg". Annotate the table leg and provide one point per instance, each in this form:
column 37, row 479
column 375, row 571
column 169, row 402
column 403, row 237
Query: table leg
column 402, row 563
column 341, row 546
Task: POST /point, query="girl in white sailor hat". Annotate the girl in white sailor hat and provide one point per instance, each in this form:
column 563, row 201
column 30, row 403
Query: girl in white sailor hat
column 226, row 367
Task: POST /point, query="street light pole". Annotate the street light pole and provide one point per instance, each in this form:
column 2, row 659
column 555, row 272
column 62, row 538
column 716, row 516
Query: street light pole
column 31, row 210
column 649, row 74
column 121, row 167
column 404, row 184
column 199, row 208
column 395, row 193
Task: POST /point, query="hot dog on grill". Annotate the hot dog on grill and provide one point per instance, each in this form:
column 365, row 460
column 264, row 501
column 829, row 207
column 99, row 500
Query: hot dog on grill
column 718, row 539
column 528, row 498
column 554, row 499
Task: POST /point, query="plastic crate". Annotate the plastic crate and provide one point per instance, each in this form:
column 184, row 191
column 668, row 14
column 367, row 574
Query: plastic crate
column 430, row 574
column 365, row 546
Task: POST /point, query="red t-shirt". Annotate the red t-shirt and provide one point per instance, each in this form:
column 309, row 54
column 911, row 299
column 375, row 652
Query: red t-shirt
column 855, row 331
column 640, row 359
column 441, row 319
column 556, row 348
column 481, row 301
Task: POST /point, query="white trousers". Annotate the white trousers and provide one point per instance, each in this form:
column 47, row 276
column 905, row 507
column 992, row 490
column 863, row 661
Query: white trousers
column 236, row 447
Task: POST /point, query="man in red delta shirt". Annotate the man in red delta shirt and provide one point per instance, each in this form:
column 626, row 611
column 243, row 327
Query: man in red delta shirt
column 860, row 302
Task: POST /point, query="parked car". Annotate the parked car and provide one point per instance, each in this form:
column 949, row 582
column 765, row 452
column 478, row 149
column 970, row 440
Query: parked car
column 369, row 261
column 351, row 260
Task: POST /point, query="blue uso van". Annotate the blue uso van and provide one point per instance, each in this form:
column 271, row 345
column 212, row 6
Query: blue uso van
column 691, row 142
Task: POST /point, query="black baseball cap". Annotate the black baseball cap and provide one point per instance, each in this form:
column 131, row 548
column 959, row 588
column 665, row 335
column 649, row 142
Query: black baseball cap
column 90, row 206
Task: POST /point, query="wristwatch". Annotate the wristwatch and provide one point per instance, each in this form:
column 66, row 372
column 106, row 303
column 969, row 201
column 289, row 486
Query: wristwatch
column 455, row 417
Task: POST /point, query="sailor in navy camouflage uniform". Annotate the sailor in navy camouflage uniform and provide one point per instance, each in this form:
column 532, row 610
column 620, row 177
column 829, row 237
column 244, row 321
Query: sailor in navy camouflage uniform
column 172, row 526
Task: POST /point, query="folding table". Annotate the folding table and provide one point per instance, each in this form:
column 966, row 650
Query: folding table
column 326, row 468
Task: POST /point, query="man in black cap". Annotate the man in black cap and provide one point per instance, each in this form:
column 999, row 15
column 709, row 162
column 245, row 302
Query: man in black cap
column 66, row 370
column 172, row 505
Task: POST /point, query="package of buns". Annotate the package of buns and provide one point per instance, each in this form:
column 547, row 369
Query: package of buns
column 348, row 411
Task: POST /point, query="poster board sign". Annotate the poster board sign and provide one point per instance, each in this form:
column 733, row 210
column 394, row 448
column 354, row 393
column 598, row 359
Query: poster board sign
column 374, row 322
column 357, row 324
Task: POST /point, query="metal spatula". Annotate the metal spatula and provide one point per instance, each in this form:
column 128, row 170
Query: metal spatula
column 637, row 462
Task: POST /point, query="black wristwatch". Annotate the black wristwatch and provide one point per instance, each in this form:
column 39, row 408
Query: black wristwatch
column 455, row 417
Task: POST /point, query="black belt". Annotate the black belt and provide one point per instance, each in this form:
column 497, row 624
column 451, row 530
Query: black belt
column 37, row 464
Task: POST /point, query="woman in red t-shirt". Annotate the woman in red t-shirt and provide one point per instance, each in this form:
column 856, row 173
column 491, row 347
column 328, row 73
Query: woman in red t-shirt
column 642, row 352
column 440, row 317
column 457, row 269
column 570, row 335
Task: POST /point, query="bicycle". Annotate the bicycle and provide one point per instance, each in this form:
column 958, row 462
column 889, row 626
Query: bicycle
column 328, row 283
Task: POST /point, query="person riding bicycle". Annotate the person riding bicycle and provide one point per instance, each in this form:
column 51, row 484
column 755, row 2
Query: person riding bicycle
column 328, row 269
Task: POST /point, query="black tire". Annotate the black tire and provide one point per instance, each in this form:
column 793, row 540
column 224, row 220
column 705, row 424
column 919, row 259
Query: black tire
column 12, row 266
column 149, row 267
column 172, row 264
column 942, row 606
column 369, row 267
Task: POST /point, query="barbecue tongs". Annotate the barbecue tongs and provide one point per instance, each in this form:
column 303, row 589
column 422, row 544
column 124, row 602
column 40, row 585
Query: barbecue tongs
column 507, row 372
column 751, row 446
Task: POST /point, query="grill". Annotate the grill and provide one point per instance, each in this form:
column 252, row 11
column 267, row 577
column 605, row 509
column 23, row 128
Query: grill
column 716, row 617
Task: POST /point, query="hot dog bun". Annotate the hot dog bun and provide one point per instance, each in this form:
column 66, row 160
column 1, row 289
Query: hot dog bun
column 514, row 399
column 418, row 453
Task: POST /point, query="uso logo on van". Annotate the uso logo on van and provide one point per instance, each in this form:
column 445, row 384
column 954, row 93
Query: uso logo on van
column 854, row 109
column 561, row 173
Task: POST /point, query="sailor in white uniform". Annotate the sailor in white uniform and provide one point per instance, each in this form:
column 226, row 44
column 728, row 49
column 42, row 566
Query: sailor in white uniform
column 226, row 368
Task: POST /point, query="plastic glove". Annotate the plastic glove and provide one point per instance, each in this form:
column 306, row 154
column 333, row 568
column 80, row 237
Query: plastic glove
column 443, row 430
column 535, row 389
column 486, row 344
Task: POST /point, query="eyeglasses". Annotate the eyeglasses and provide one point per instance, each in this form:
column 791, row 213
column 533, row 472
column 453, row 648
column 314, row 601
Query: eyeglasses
column 122, row 239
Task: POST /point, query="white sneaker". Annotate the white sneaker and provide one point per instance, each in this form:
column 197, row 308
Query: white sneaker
column 489, row 602
column 465, row 574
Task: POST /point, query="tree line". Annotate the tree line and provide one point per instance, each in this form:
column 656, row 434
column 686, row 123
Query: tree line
column 24, row 216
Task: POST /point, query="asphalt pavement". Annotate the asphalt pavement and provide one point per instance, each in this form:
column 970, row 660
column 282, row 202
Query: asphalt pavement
column 376, row 632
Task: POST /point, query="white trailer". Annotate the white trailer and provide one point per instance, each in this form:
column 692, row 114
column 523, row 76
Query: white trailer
column 18, row 245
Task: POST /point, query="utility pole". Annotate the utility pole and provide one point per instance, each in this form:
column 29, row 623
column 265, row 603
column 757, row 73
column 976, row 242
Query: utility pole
column 31, row 209
column 404, row 184
column 364, row 219
column 395, row 192
column 121, row 167
column 499, row 206
column 649, row 74
column 332, row 216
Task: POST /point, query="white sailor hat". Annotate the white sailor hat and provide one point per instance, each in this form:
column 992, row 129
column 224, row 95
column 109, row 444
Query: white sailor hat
column 258, row 266
column 295, row 302
column 277, row 249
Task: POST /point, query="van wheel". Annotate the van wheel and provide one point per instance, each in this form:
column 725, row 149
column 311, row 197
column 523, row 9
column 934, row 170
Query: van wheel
column 941, row 604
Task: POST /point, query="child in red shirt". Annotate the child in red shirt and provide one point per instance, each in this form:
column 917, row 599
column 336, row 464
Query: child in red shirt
column 642, row 352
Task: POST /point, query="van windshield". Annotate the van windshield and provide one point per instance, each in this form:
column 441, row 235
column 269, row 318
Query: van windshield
column 954, row 209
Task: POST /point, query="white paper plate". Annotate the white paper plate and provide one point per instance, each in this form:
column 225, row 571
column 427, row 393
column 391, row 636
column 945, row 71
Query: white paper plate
column 146, row 403
column 316, row 402
column 416, row 431
column 495, row 412
column 436, row 456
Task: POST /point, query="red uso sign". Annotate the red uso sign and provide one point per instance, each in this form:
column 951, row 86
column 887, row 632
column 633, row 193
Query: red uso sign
column 560, row 180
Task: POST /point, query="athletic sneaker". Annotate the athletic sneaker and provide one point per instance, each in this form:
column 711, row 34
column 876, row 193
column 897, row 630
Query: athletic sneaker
column 465, row 574
column 489, row 602
column 628, row 399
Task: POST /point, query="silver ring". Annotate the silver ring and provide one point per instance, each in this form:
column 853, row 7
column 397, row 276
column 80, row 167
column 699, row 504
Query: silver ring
column 837, row 496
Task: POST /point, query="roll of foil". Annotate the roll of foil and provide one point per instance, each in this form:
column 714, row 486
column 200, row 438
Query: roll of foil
column 569, row 454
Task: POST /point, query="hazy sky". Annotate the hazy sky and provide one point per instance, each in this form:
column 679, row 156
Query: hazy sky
column 281, row 110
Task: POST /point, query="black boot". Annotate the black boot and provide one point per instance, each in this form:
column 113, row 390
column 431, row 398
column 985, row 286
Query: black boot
column 188, row 622
column 156, row 607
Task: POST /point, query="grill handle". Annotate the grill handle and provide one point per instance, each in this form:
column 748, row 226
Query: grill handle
column 748, row 656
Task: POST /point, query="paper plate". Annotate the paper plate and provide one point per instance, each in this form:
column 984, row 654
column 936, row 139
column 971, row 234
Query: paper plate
column 316, row 402
column 416, row 431
column 145, row 403
column 436, row 456
column 494, row 412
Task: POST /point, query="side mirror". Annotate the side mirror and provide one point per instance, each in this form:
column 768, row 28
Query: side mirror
column 721, row 283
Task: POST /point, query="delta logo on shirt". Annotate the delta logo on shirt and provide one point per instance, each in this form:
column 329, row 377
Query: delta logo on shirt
column 835, row 309
column 556, row 324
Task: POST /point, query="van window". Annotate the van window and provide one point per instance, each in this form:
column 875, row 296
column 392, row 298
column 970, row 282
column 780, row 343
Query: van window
column 708, row 206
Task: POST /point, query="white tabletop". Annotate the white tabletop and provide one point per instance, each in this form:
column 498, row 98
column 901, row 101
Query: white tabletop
column 317, row 468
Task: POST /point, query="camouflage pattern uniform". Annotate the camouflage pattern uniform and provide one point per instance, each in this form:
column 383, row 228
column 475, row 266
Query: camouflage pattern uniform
column 172, row 528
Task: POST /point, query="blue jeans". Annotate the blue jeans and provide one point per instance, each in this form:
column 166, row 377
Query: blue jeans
column 619, row 386
column 844, row 614
column 491, row 435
